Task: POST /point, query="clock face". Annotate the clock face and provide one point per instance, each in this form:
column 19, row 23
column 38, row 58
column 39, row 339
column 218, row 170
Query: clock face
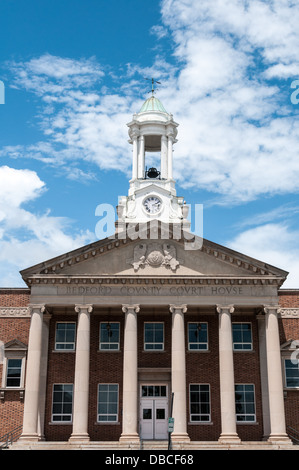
column 152, row 204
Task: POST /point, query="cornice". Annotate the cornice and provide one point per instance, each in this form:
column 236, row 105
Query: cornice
column 159, row 279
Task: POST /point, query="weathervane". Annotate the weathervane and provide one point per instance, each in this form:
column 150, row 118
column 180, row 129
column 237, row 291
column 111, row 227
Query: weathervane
column 153, row 86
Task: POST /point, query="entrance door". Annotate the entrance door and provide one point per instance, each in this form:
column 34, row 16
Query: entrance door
column 154, row 412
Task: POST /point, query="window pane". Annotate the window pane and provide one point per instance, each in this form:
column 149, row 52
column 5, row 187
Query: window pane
column 147, row 413
column 14, row 369
column 160, row 413
column 109, row 336
column 242, row 336
column 197, row 336
column 108, row 403
column 153, row 336
column 200, row 402
column 292, row 373
column 62, row 403
column 245, row 402
column 65, row 336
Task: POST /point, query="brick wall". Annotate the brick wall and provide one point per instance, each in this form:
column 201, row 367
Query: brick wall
column 14, row 297
column 12, row 407
column 289, row 330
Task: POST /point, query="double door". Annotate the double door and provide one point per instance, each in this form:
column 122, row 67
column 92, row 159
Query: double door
column 154, row 412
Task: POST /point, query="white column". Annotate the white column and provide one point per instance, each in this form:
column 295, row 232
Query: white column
column 227, row 382
column 32, row 387
column 135, row 158
column 169, row 156
column 81, row 386
column 178, row 373
column 264, row 375
column 43, row 375
column 141, row 157
column 275, row 383
column 163, row 156
column 130, row 376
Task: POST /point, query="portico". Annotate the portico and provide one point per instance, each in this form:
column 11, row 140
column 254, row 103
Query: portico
column 135, row 298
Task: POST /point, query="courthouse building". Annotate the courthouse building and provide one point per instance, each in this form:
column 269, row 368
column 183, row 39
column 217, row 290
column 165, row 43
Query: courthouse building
column 111, row 340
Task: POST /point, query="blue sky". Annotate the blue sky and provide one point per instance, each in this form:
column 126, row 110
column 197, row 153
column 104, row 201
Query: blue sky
column 74, row 73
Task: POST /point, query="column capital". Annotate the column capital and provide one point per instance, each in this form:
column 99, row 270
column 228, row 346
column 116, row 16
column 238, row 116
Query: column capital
column 225, row 308
column 174, row 308
column 271, row 308
column 127, row 308
column 37, row 308
column 83, row 307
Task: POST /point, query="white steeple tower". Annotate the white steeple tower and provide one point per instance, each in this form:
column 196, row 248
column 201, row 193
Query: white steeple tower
column 152, row 193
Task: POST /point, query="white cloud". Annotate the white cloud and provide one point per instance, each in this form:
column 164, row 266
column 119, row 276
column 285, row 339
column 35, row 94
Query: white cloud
column 238, row 134
column 17, row 187
column 27, row 238
column 273, row 243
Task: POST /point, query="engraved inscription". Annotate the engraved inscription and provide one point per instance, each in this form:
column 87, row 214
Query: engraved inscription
column 154, row 290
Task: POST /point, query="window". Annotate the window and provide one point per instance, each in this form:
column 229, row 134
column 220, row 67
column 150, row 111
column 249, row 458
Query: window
column 13, row 357
column 62, row 405
column 153, row 391
column 197, row 336
column 245, row 402
column 108, row 403
column 292, row 373
column 200, row 409
column 154, row 336
column 14, row 371
column 65, row 336
column 109, row 336
column 242, row 338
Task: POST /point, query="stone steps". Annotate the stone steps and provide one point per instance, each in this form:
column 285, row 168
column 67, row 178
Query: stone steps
column 151, row 445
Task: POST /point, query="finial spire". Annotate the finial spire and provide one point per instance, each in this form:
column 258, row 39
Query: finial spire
column 153, row 84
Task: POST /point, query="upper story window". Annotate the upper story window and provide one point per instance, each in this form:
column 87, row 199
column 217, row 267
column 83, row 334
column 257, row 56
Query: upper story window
column 65, row 338
column 197, row 336
column 153, row 336
column 109, row 336
column 242, row 337
column 292, row 373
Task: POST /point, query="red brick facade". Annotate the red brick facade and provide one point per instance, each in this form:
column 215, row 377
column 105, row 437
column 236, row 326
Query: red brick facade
column 106, row 367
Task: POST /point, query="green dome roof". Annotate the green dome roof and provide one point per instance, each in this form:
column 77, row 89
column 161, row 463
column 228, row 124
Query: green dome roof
column 152, row 104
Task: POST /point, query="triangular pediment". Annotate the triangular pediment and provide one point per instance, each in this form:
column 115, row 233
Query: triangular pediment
column 153, row 256
column 15, row 345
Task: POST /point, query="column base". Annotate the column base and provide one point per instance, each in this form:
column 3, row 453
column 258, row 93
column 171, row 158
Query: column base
column 180, row 437
column 132, row 438
column 30, row 437
column 76, row 438
column 281, row 439
column 232, row 438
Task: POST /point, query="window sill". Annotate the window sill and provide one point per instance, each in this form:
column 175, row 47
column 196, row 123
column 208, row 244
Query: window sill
column 68, row 351
column 109, row 351
column 106, row 423
column 247, row 423
column 200, row 423
column 60, row 423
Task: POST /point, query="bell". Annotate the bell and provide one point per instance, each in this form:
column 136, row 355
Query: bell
column 153, row 173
